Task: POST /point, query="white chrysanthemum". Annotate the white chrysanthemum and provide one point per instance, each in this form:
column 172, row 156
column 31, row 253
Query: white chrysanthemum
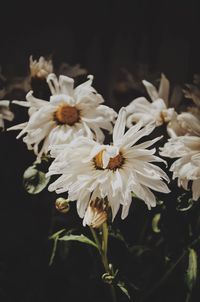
column 187, row 167
column 156, row 111
column 71, row 112
column 5, row 113
column 40, row 68
column 91, row 170
column 184, row 123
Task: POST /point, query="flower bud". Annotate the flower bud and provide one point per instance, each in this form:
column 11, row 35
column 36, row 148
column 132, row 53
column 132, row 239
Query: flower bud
column 62, row 205
column 96, row 213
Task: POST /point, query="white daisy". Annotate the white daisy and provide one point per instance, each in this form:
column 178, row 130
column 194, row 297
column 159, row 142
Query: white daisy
column 5, row 113
column 184, row 123
column 71, row 112
column 156, row 111
column 40, row 68
column 91, row 170
column 187, row 167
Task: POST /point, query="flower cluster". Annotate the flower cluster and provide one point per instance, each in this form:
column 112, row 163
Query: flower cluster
column 100, row 176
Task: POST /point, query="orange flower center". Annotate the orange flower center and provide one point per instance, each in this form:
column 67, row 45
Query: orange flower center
column 114, row 162
column 66, row 114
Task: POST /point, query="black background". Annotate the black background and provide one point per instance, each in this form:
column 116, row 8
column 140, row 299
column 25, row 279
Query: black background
column 103, row 36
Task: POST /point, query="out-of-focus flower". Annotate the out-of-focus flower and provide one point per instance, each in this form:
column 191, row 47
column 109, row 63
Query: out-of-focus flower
column 71, row 112
column 187, row 167
column 90, row 170
column 5, row 113
column 96, row 213
column 72, row 71
column 184, row 123
column 40, row 68
column 158, row 112
column 192, row 91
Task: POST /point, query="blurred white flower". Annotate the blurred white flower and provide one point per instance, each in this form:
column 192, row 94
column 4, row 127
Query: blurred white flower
column 158, row 112
column 5, row 113
column 184, row 123
column 40, row 68
column 72, row 70
column 71, row 112
column 91, row 170
column 187, row 167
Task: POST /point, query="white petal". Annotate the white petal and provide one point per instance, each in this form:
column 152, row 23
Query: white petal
column 152, row 91
column 196, row 189
column 119, row 127
column 164, row 89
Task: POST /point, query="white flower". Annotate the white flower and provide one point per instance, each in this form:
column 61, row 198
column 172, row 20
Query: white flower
column 184, row 123
column 157, row 111
column 41, row 68
column 90, row 170
column 187, row 167
column 71, row 112
column 5, row 113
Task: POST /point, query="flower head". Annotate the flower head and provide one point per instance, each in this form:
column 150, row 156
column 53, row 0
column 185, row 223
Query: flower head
column 71, row 112
column 182, row 124
column 187, row 167
column 91, row 171
column 156, row 111
column 40, row 68
column 5, row 113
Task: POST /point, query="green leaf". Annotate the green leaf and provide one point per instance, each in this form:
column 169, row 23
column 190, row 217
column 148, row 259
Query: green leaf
column 57, row 234
column 155, row 222
column 79, row 238
column 55, row 238
column 55, row 243
column 123, row 289
column 34, row 180
column 191, row 273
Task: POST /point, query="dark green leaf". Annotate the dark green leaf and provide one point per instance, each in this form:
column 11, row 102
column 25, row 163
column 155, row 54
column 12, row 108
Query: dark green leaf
column 191, row 273
column 123, row 289
column 79, row 238
column 155, row 223
column 57, row 234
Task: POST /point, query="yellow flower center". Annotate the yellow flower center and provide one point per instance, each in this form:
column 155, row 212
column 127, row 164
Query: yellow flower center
column 66, row 114
column 114, row 162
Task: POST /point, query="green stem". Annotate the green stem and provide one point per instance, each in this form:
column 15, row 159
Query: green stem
column 96, row 239
column 103, row 247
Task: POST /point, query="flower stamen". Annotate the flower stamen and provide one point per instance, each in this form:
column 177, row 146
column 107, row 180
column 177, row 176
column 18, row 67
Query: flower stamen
column 113, row 164
column 66, row 114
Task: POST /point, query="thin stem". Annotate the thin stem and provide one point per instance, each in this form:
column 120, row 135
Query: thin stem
column 103, row 247
column 105, row 258
column 105, row 238
column 96, row 239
